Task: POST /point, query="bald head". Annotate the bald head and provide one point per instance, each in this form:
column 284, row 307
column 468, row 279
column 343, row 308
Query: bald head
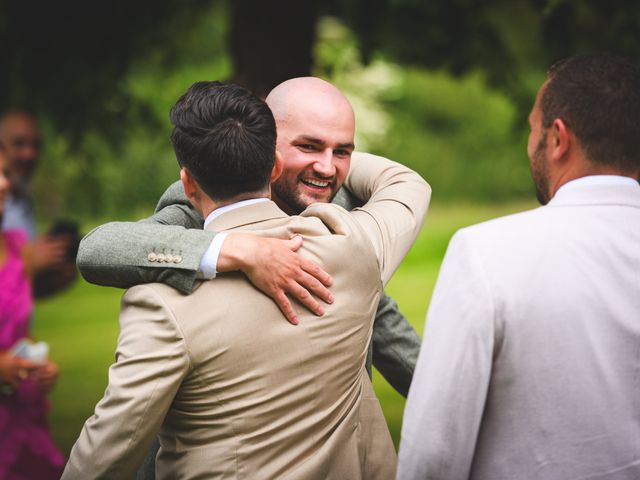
column 315, row 127
column 309, row 93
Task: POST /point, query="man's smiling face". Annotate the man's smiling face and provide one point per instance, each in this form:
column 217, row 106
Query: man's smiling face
column 315, row 138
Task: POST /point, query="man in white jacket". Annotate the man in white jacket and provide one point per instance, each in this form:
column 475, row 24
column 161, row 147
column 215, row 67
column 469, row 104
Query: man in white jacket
column 530, row 367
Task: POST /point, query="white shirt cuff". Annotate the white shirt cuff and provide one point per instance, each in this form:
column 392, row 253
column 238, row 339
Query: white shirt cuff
column 209, row 262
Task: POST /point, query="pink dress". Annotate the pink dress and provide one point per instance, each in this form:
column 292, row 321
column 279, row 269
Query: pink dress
column 26, row 448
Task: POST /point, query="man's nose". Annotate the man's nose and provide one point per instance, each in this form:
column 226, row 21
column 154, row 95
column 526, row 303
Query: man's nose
column 324, row 164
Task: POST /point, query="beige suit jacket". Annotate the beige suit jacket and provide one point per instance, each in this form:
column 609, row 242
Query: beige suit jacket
column 232, row 389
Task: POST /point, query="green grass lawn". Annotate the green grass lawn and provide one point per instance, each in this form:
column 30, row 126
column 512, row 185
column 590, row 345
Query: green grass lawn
column 81, row 326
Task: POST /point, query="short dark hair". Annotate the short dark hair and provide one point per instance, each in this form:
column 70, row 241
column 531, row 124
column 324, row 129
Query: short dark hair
column 225, row 137
column 598, row 97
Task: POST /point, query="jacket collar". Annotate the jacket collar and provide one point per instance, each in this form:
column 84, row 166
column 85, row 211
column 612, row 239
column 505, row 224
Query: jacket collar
column 602, row 193
column 246, row 215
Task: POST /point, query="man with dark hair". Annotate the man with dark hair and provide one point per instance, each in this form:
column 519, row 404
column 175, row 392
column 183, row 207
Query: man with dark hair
column 230, row 388
column 239, row 141
column 530, row 365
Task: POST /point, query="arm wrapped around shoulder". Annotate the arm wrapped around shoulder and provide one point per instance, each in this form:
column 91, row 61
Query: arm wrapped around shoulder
column 398, row 200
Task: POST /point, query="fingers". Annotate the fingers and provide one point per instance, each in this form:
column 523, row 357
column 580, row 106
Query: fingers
column 46, row 376
column 285, row 307
column 26, row 365
column 48, row 252
column 55, row 250
column 15, row 370
column 300, row 293
column 307, row 285
column 51, row 244
column 275, row 268
column 316, row 271
column 301, row 282
column 312, row 269
column 48, row 370
column 311, row 278
column 294, row 243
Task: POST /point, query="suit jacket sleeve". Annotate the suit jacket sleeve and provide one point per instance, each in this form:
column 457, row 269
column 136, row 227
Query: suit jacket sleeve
column 393, row 215
column 151, row 362
column 395, row 342
column 117, row 254
column 448, row 394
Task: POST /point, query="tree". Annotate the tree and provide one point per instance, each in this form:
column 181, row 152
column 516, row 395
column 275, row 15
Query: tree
column 66, row 58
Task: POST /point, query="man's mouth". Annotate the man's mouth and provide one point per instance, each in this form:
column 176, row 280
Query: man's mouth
column 316, row 183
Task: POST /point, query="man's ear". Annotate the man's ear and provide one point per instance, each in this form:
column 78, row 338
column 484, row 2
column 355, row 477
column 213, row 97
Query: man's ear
column 278, row 165
column 189, row 184
column 560, row 140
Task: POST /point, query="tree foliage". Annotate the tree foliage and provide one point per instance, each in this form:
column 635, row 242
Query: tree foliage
column 67, row 58
column 507, row 40
column 442, row 85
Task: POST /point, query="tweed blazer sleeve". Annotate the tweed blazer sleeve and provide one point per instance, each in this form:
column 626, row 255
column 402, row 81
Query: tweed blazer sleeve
column 395, row 343
column 166, row 247
column 152, row 360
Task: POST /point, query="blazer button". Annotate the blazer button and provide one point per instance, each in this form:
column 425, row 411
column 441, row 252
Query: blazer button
column 177, row 259
column 168, row 258
column 152, row 257
column 161, row 257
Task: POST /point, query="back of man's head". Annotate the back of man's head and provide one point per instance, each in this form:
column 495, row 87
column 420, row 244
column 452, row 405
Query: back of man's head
column 225, row 137
column 598, row 98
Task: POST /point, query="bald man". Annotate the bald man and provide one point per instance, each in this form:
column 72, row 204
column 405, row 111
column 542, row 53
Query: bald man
column 315, row 136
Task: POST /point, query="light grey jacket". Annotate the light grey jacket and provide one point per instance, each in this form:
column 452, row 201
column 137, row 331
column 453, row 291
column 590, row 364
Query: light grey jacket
column 531, row 365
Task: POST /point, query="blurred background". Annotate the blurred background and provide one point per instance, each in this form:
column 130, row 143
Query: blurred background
column 443, row 86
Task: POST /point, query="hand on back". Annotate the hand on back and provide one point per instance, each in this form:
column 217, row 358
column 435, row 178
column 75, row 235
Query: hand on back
column 275, row 268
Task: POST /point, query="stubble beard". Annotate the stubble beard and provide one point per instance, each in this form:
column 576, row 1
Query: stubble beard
column 288, row 199
column 540, row 172
column 292, row 199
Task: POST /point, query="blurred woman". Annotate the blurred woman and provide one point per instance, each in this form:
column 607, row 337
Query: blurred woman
column 26, row 448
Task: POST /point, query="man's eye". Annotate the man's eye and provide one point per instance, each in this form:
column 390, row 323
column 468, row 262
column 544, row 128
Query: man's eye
column 342, row 153
column 307, row 146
